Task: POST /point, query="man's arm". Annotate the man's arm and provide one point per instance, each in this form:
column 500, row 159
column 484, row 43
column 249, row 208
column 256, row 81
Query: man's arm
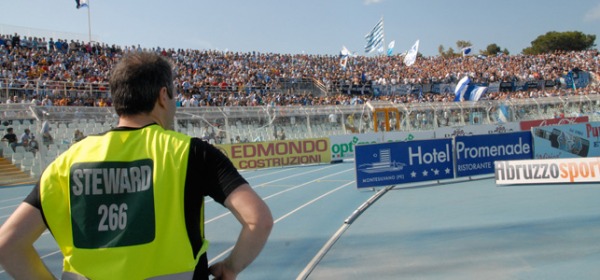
column 256, row 219
column 17, row 235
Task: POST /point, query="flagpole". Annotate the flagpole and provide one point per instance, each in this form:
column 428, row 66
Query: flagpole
column 383, row 31
column 89, row 24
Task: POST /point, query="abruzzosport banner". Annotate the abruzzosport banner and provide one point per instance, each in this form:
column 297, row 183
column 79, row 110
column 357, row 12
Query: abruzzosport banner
column 342, row 146
column 388, row 164
column 567, row 141
column 475, row 155
column 277, row 153
column 544, row 171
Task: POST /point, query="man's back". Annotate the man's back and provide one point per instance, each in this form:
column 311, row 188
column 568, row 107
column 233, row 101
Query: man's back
column 120, row 205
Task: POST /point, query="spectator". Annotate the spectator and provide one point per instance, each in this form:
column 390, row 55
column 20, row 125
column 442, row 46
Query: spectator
column 216, row 79
column 33, row 146
column 47, row 102
column 78, row 136
column 13, row 100
column 47, row 138
column 11, row 138
column 25, row 138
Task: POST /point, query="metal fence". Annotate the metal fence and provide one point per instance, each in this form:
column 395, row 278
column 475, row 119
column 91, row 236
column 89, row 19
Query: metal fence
column 223, row 125
column 262, row 123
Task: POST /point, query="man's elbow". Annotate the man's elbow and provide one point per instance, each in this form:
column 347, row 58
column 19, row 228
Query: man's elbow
column 267, row 223
column 264, row 223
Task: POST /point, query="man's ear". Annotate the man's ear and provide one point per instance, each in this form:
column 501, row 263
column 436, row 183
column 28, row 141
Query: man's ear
column 163, row 97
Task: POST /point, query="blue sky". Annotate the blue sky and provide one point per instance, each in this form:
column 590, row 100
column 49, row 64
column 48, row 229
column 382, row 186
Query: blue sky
column 305, row 26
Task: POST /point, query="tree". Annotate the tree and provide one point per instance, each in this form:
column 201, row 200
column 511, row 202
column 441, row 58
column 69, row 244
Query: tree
column 460, row 44
column 447, row 54
column 560, row 41
column 493, row 49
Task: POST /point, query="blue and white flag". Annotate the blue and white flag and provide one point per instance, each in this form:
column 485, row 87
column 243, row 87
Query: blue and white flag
column 461, row 88
column 570, row 79
column 503, row 115
column 466, row 51
column 411, row 56
column 344, row 53
column 375, row 38
column 390, row 49
column 477, row 92
column 81, row 3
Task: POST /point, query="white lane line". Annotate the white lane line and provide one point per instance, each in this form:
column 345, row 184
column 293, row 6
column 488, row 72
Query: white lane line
column 10, row 206
column 281, row 192
column 11, row 199
column 266, row 174
column 222, row 254
column 280, row 179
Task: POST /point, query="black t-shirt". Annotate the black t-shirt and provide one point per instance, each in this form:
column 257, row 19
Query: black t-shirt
column 210, row 173
column 11, row 137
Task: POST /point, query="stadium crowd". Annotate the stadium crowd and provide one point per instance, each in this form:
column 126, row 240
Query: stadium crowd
column 62, row 73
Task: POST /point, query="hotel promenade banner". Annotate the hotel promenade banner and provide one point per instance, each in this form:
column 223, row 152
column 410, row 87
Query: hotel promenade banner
column 396, row 163
column 475, row 155
column 277, row 153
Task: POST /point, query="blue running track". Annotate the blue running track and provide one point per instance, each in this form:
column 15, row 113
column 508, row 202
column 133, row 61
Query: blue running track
column 459, row 230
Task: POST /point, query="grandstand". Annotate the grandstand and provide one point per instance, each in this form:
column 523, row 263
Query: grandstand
column 229, row 98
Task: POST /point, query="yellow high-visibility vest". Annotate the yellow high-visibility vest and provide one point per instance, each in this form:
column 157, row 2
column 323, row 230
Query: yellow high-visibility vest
column 115, row 205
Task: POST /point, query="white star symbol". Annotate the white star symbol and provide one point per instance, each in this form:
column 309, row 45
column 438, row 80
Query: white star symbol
column 447, row 170
column 425, row 173
column 413, row 174
column 436, row 172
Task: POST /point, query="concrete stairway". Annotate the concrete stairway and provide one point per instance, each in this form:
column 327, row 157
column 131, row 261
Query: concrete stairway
column 11, row 175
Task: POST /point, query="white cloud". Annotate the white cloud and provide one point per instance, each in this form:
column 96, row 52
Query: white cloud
column 369, row 2
column 591, row 15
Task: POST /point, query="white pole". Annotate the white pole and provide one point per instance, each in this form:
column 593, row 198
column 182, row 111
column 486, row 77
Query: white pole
column 89, row 24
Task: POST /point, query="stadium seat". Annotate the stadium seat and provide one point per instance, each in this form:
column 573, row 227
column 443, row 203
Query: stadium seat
column 7, row 152
column 26, row 164
column 17, row 158
column 20, row 149
column 36, row 171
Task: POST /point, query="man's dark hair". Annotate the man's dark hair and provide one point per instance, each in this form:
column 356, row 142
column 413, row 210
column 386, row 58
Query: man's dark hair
column 136, row 80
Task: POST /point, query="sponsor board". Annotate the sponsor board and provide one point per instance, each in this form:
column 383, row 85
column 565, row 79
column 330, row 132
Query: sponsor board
column 475, row 155
column 577, row 140
column 543, row 171
column 277, row 153
column 466, row 130
column 387, row 164
column 527, row 125
column 342, row 146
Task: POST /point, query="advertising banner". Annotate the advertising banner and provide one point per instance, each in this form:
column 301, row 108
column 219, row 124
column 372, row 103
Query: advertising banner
column 527, row 125
column 277, row 153
column 567, row 141
column 475, row 155
column 544, row 171
column 387, row 164
column 466, row 130
column 342, row 146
